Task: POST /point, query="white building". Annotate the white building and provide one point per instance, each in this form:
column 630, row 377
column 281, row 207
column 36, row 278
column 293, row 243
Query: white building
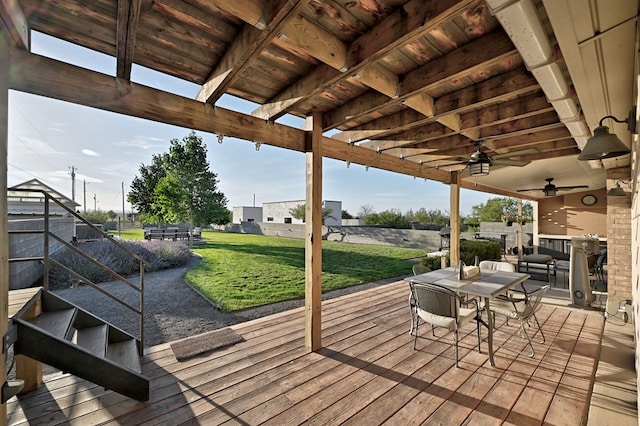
column 247, row 214
column 279, row 212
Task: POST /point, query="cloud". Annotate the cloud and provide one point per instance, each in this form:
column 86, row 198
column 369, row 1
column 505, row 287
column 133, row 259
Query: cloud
column 143, row 142
column 90, row 153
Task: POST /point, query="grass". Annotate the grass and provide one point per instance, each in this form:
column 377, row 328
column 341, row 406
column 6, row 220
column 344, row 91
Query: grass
column 241, row 271
column 130, row 234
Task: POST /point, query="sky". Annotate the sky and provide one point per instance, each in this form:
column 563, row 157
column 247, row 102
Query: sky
column 49, row 138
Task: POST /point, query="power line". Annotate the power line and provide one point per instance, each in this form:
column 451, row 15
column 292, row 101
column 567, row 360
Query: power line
column 52, row 185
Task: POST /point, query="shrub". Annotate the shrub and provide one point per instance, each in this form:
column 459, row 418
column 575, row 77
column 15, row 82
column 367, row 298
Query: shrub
column 469, row 249
column 158, row 254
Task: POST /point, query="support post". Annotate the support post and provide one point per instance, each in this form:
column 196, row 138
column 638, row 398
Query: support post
column 4, row 224
column 454, row 205
column 520, row 230
column 313, row 238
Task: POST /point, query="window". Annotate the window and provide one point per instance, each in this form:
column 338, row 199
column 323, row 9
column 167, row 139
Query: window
column 269, row 219
column 251, row 220
column 287, row 220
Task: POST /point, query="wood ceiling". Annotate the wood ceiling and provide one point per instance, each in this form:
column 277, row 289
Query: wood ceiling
column 406, row 86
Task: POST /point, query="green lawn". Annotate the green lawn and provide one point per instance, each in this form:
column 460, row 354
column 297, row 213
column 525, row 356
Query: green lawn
column 240, row 271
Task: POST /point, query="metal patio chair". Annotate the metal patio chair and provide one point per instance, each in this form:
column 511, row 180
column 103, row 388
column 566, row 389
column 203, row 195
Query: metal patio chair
column 440, row 307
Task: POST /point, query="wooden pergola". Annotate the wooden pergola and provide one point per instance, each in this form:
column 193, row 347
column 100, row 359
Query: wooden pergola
column 406, row 86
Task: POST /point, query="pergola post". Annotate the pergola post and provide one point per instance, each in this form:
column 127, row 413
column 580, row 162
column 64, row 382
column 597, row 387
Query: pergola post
column 313, row 238
column 454, row 206
column 4, row 226
column 520, row 230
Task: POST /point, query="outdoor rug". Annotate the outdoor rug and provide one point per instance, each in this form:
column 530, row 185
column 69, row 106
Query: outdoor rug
column 191, row 346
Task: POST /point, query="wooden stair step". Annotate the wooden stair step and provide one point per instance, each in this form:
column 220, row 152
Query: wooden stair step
column 125, row 353
column 93, row 339
column 56, row 323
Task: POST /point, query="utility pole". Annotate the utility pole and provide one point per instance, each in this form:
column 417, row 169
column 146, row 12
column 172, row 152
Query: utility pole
column 84, row 187
column 95, row 203
column 123, row 216
column 73, row 182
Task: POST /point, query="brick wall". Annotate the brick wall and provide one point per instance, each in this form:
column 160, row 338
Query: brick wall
column 618, row 241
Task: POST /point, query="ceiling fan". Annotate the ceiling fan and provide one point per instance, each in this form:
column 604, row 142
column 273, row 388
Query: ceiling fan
column 479, row 161
column 550, row 189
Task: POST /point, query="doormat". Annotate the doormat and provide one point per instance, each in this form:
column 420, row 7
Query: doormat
column 191, row 346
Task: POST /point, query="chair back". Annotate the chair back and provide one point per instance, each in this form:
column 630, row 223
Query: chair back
column 532, row 302
column 436, row 300
column 419, row 268
column 497, row 265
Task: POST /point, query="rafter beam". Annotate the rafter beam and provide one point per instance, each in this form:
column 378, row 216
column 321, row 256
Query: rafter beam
column 490, row 49
column 47, row 77
column 14, row 21
column 250, row 42
column 127, row 26
column 415, row 19
column 491, row 93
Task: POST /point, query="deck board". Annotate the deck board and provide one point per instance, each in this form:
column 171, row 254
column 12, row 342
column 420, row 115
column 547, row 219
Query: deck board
column 366, row 373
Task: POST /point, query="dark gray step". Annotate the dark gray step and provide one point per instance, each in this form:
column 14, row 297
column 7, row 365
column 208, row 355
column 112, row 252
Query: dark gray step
column 56, row 323
column 125, row 353
column 93, row 339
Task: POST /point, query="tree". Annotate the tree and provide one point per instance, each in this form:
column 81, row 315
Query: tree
column 183, row 189
column 496, row 208
column 346, row 215
column 365, row 210
column 429, row 217
column 111, row 214
column 142, row 193
column 388, row 219
column 300, row 211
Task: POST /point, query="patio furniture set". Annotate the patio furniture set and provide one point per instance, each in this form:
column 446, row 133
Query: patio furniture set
column 444, row 299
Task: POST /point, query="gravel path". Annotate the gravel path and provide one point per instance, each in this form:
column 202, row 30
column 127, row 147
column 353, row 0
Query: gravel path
column 174, row 310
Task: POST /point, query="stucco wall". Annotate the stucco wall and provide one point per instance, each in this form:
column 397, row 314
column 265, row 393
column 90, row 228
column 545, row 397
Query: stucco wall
column 566, row 215
column 410, row 238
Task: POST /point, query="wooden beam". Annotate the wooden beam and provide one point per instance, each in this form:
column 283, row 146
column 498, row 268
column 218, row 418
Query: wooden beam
column 4, row 223
column 313, row 240
column 454, row 209
column 15, row 23
column 477, row 55
column 127, row 26
column 316, row 41
column 250, row 11
column 370, row 158
column 47, row 77
column 379, row 78
column 490, row 93
column 413, row 20
column 249, row 44
column 43, row 76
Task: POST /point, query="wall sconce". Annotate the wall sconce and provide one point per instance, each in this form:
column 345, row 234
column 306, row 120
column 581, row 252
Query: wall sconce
column 607, row 145
column 479, row 163
column 616, row 190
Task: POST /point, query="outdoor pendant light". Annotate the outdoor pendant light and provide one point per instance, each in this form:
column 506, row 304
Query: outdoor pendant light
column 616, row 190
column 607, row 145
column 479, row 163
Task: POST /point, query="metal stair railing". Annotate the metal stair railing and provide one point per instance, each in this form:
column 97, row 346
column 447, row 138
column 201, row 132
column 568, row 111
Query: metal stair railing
column 49, row 262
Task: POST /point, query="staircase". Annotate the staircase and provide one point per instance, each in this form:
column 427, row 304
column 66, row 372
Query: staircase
column 67, row 337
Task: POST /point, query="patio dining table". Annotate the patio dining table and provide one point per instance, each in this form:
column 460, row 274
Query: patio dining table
column 488, row 284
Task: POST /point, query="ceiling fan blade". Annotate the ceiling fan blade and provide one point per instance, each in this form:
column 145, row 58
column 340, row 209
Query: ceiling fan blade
column 528, row 151
column 569, row 188
column 508, row 162
column 530, row 189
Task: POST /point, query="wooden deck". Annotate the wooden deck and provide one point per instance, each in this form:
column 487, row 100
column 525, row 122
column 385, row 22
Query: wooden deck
column 366, row 374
